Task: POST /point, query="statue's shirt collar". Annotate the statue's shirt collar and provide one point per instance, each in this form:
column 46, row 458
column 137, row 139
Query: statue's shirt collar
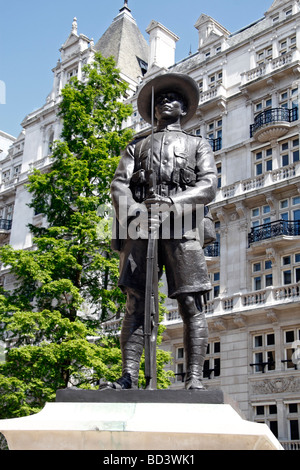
column 170, row 127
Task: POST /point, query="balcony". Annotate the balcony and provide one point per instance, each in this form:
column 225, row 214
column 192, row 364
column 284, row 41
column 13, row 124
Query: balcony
column 274, row 229
column 278, row 176
column 213, row 250
column 239, row 305
column 272, row 123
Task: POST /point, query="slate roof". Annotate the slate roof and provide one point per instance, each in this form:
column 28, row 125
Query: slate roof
column 125, row 42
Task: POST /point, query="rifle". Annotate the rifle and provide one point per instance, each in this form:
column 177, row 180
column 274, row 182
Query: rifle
column 151, row 291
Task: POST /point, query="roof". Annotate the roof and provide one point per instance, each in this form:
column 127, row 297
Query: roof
column 124, row 41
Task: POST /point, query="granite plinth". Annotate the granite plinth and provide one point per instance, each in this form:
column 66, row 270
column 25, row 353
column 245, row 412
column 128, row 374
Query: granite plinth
column 213, row 396
column 117, row 421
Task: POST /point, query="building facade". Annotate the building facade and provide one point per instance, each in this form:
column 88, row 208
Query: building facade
column 249, row 84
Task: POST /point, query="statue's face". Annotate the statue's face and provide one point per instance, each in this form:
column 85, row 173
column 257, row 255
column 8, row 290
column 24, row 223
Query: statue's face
column 169, row 106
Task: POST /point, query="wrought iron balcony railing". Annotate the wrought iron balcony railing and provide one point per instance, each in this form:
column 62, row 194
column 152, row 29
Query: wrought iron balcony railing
column 274, row 229
column 212, row 250
column 5, row 224
column 216, row 144
column 272, row 116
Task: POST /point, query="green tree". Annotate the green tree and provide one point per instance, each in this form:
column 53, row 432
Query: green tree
column 66, row 285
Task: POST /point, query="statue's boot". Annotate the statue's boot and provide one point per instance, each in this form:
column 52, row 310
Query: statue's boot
column 132, row 342
column 195, row 337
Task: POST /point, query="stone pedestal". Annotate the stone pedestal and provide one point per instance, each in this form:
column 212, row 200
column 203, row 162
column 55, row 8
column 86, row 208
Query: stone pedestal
column 130, row 420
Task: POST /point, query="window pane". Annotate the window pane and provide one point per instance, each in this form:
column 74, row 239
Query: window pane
column 296, row 214
column 269, row 280
column 258, row 341
column 257, row 283
column 270, row 339
column 296, row 200
column 273, row 409
column 271, row 360
column 289, row 336
column 294, row 428
column 269, row 165
column 180, row 353
column 258, row 168
column 274, row 428
column 285, row 160
column 287, row 277
column 293, row 408
column 260, row 410
column 217, row 367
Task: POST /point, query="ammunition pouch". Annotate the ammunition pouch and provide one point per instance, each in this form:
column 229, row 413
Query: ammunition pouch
column 184, row 177
column 138, row 185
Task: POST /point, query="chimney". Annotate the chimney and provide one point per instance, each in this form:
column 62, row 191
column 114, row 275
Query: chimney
column 162, row 45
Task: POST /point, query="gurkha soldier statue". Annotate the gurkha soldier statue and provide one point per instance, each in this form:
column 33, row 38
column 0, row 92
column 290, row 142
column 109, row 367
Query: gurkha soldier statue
column 175, row 172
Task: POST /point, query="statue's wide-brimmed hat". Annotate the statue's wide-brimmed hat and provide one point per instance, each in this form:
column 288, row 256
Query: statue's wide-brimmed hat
column 166, row 83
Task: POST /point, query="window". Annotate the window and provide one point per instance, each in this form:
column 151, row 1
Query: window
column 288, row 44
column 5, row 176
column 289, row 151
column 264, row 55
column 262, row 105
column 293, row 417
column 288, row 98
column 72, row 73
column 179, row 364
column 289, row 337
column 215, row 79
column 267, row 414
column 214, row 134
column 212, row 363
column 290, row 265
column 219, row 172
column 263, row 161
column 17, row 170
column 216, row 284
column 289, row 209
column 260, row 215
column 263, row 352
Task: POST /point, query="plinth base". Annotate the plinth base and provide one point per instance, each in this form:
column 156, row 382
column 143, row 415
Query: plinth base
column 130, row 425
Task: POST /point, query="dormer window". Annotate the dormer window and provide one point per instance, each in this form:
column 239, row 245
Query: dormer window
column 143, row 66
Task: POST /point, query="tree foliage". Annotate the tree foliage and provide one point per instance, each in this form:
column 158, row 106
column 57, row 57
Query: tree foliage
column 66, row 285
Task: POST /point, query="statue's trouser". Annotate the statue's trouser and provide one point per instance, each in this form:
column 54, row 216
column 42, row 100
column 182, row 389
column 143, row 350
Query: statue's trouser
column 195, row 337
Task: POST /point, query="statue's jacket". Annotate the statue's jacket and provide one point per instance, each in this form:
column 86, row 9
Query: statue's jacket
column 185, row 171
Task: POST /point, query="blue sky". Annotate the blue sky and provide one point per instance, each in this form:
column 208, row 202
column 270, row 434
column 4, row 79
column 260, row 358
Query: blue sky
column 32, row 31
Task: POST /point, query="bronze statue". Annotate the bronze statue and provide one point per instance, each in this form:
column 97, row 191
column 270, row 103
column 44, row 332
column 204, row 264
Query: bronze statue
column 185, row 177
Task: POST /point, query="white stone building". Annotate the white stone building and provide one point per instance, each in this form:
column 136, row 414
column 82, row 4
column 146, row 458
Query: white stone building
column 249, row 85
